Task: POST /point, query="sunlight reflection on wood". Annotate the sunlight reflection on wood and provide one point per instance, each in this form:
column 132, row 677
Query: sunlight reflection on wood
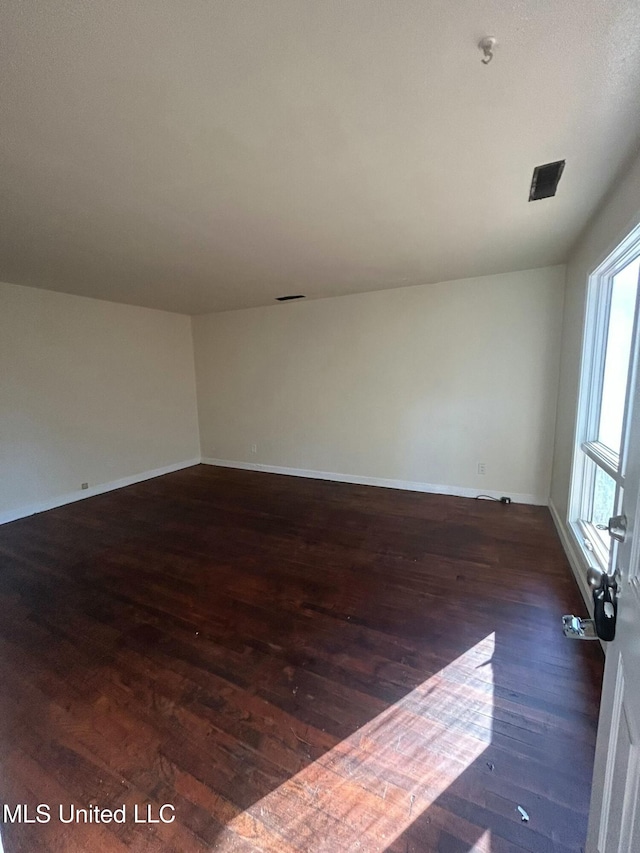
column 362, row 794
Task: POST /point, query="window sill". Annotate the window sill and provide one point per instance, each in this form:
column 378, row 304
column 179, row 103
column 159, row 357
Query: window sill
column 594, row 557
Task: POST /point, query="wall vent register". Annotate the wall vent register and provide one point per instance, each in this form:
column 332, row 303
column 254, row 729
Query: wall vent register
column 545, row 180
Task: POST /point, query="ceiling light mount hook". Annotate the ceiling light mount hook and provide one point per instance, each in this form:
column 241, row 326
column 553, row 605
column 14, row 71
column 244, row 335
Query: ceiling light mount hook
column 487, row 46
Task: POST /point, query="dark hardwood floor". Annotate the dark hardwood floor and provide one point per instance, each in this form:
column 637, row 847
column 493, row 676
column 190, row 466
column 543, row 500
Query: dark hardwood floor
column 294, row 665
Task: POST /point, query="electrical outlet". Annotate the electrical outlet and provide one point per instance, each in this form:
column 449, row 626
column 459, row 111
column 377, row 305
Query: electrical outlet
column 84, row 486
column 482, row 468
column 254, row 448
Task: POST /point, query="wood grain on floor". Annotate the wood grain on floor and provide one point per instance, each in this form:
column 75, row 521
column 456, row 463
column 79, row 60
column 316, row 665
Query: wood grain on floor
column 295, row 666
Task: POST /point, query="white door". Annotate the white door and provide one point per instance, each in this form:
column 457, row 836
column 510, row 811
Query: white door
column 614, row 819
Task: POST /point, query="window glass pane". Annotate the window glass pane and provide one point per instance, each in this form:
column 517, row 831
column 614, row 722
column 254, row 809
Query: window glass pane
column 604, row 494
column 616, row 365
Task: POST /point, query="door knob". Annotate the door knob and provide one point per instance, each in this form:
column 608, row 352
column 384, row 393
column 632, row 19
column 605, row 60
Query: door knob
column 617, row 527
column 594, row 576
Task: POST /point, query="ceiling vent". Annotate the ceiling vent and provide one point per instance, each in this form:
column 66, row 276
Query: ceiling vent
column 545, row 180
column 289, row 298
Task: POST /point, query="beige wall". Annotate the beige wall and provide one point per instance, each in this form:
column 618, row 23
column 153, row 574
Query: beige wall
column 415, row 385
column 615, row 219
column 90, row 391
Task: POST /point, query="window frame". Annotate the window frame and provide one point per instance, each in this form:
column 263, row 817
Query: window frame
column 588, row 452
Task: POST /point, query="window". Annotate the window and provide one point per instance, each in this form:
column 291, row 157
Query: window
column 608, row 356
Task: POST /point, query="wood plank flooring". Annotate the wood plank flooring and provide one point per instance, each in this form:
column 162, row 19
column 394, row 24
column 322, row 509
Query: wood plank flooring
column 295, row 666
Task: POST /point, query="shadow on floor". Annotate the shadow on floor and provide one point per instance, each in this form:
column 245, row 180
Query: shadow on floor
column 295, row 666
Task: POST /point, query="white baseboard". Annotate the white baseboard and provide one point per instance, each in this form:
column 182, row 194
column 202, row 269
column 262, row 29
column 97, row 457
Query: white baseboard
column 577, row 562
column 407, row 485
column 71, row 497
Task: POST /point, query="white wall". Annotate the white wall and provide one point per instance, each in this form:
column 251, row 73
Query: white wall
column 90, row 392
column 619, row 214
column 415, row 385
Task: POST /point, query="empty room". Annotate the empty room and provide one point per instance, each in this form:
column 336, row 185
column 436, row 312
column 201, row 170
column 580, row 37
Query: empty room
column 320, row 426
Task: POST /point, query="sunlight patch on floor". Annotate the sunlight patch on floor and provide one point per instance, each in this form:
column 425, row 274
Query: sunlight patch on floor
column 483, row 844
column 366, row 791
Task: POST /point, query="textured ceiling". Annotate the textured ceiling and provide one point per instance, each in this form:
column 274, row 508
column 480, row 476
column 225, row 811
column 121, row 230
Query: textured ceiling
column 199, row 156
